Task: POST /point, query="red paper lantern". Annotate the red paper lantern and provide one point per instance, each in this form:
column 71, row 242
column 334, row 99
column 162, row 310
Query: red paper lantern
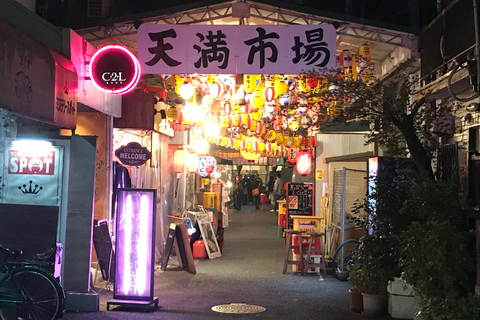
column 268, row 94
column 227, row 108
column 304, row 162
column 292, row 155
column 179, row 161
column 215, row 89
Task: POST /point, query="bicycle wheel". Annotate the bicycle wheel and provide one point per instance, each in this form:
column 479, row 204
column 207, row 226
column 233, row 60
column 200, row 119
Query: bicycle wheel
column 35, row 292
column 343, row 259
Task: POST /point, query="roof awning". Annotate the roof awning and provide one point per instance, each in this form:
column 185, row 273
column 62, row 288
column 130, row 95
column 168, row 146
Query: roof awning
column 37, row 83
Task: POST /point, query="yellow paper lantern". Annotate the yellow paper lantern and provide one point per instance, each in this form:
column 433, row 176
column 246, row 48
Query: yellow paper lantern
column 256, row 115
column 235, row 120
column 271, row 135
column 172, row 114
column 286, row 140
column 297, row 141
column 274, row 146
column 205, row 181
column 261, row 147
column 365, row 51
column 224, row 141
column 250, row 82
column 279, row 138
column 281, row 88
column 253, row 125
column 236, row 143
column 258, row 101
column 294, row 125
column 224, row 121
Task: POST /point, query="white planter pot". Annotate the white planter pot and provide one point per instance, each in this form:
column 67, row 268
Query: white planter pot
column 374, row 304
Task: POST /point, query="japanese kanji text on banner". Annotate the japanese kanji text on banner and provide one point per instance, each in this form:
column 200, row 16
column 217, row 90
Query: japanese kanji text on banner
column 261, row 49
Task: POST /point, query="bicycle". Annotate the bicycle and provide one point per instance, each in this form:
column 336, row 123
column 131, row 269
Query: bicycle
column 342, row 259
column 33, row 291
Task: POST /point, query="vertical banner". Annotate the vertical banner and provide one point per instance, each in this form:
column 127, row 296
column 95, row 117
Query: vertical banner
column 33, row 176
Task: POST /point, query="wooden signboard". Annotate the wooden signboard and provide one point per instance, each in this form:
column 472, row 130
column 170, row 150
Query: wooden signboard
column 177, row 239
column 300, row 201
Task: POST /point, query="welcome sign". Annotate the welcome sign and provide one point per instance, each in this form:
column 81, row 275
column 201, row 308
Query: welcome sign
column 221, row 49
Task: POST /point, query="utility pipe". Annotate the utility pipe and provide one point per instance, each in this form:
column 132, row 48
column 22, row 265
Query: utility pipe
column 477, row 41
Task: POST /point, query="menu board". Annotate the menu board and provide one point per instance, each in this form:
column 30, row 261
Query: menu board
column 299, row 201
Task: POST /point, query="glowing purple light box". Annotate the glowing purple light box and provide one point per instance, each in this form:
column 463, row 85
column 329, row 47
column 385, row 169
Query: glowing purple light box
column 135, row 236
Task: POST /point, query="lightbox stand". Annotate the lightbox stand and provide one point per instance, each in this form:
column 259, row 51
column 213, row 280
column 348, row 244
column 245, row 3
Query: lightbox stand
column 134, row 249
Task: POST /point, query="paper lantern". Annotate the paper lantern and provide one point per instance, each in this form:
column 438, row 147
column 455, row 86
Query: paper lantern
column 268, row 146
column 250, row 82
column 297, row 141
column 186, row 90
column 206, row 166
column 215, row 90
column 292, row 155
column 304, row 162
column 258, row 101
column 268, row 94
column 261, row 147
column 216, row 107
column 205, row 181
column 345, row 59
column 312, row 82
column 279, row 137
column 365, row 51
column 227, row 108
column 271, row 136
column 256, row 115
column 294, row 125
column 178, row 161
column 192, row 162
column 172, row 114
column 281, row 88
column 235, row 120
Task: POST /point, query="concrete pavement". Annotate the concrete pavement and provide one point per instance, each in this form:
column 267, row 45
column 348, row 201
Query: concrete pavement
column 249, row 271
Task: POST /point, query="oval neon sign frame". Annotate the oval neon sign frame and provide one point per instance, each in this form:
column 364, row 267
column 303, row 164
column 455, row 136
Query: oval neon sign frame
column 119, row 49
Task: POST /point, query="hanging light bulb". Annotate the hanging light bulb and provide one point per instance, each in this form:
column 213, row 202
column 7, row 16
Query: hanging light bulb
column 201, row 146
column 186, row 90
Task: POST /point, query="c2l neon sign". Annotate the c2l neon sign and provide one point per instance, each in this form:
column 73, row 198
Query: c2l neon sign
column 114, row 69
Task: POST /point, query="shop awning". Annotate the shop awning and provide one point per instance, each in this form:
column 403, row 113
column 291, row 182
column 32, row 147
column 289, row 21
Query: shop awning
column 36, row 82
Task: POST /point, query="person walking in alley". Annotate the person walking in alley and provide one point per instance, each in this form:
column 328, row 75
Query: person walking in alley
column 277, row 190
column 237, row 192
column 257, row 185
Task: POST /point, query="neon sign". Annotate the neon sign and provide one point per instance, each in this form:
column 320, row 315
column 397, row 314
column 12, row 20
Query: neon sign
column 114, row 69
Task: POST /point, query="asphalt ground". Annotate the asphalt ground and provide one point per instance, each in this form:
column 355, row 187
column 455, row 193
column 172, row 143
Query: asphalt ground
column 249, row 271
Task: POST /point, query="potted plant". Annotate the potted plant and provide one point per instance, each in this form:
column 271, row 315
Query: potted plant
column 371, row 275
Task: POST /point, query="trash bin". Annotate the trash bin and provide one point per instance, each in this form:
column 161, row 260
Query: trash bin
column 400, row 299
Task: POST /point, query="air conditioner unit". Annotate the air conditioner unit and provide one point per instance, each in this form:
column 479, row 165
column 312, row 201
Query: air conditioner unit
column 97, row 8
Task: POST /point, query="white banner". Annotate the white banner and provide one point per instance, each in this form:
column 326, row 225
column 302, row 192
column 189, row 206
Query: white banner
column 221, row 49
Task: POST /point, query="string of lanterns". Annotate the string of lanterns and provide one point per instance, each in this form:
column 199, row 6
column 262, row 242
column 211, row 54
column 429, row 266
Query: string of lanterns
column 270, row 114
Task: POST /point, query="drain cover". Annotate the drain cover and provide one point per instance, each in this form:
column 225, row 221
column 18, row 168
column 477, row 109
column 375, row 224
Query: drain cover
column 240, row 308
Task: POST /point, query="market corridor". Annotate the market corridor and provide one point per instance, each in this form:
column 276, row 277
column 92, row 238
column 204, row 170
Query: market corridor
column 249, row 271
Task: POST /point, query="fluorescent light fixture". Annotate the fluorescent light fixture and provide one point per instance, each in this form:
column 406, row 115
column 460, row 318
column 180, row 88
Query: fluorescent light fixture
column 32, row 144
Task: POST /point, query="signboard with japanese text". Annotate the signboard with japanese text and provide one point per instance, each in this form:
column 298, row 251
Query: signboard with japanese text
column 299, row 200
column 260, row 49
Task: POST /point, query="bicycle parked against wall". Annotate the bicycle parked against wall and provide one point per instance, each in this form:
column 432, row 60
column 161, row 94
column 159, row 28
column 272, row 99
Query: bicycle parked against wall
column 28, row 291
column 342, row 259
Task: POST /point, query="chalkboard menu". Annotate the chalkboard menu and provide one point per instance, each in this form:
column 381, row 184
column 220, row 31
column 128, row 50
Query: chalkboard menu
column 300, row 199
